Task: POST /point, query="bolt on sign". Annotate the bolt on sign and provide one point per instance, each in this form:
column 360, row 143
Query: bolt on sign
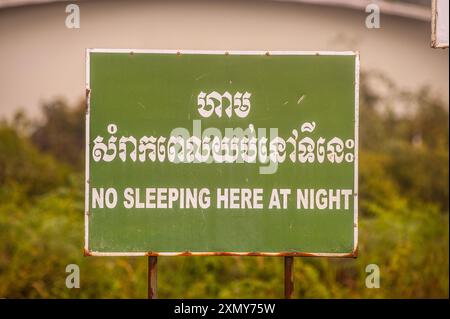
column 221, row 153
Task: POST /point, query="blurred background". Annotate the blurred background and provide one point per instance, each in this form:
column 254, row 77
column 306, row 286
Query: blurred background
column 404, row 127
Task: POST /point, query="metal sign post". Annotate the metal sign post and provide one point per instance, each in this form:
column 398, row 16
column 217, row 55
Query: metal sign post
column 288, row 277
column 152, row 277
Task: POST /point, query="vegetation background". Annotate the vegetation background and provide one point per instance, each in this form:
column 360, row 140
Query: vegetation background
column 404, row 209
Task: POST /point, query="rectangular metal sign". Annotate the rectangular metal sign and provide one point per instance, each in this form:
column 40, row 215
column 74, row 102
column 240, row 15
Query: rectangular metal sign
column 221, row 153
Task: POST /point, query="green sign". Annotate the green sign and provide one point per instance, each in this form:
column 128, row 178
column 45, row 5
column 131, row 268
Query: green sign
column 221, row 153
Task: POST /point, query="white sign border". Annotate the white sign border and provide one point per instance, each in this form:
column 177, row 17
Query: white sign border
column 353, row 254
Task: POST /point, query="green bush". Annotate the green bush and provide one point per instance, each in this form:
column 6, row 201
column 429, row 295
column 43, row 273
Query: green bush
column 403, row 219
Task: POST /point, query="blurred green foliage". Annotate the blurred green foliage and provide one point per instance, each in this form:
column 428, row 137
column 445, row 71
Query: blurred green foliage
column 404, row 226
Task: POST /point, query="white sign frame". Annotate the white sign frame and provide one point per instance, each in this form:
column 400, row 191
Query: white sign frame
column 353, row 254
